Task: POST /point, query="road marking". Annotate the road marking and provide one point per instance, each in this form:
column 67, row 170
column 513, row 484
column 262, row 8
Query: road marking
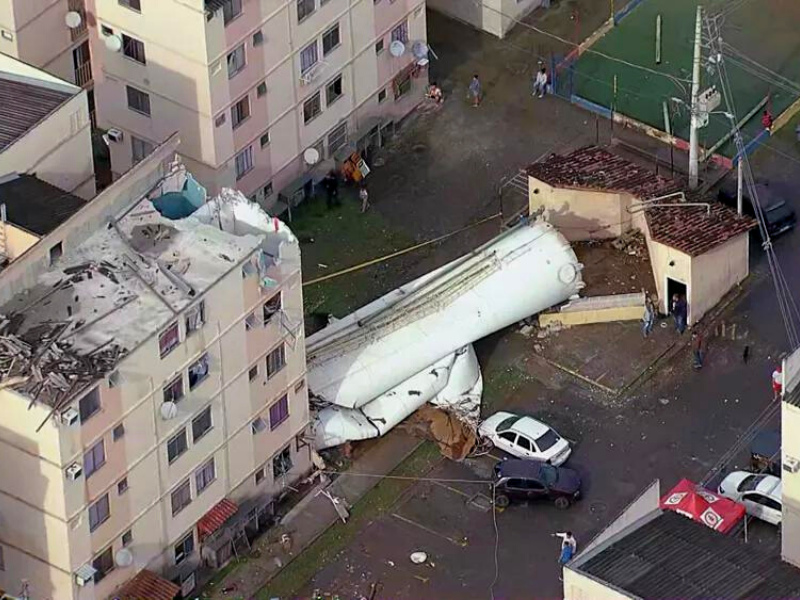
column 452, row 489
column 429, row 530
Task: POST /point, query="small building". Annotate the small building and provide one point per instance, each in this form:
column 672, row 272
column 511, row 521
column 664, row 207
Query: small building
column 698, row 247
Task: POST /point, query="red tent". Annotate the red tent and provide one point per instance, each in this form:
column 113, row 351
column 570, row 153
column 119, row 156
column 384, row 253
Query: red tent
column 703, row 506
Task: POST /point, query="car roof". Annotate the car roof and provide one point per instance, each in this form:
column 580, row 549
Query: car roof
column 530, row 427
column 770, row 486
column 517, row 467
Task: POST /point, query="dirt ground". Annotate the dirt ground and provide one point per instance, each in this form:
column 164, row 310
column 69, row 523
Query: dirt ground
column 608, row 270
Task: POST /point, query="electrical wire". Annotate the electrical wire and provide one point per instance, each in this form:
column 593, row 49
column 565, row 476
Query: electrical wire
column 496, row 544
column 407, row 477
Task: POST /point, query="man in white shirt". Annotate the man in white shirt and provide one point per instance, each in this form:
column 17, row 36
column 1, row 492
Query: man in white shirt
column 540, row 83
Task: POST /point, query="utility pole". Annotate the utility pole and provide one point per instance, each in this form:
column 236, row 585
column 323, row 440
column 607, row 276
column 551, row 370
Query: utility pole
column 694, row 138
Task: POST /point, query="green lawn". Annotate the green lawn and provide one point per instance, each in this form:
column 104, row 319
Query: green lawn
column 501, row 383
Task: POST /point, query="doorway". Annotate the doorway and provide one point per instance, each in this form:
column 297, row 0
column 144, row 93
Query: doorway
column 675, row 287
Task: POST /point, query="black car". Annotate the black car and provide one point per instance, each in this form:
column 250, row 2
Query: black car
column 778, row 215
column 518, row 479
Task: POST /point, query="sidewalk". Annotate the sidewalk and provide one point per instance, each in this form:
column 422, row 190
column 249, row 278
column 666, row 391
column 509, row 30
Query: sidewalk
column 312, row 517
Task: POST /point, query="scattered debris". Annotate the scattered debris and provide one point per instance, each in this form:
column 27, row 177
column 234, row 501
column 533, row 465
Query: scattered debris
column 455, row 438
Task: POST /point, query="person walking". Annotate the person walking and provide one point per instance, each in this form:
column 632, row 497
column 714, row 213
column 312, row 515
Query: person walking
column 363, row 194
column 777, row 383
column 698, row 349
column 680, row 311
column 475, row 91
column 649, row 317
column 540, row 83
column 569, row 546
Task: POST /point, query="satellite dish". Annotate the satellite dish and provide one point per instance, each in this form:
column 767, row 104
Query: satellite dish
column 123, row 557
column 113, row 43
column 73, row 19
column 420, row 50
column 311, row 156
column 397, row 48
column 169, row 410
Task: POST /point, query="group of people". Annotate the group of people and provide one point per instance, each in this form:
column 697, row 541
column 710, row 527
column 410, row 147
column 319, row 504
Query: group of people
column 330, row 183
column 679, row 310
column 541, row 85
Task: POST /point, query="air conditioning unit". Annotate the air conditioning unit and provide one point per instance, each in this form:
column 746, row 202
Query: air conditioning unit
column 85, row 575
column 74, row 471
column 115, row 135
column 791, row 465
column 70, row 417
column 312, row 72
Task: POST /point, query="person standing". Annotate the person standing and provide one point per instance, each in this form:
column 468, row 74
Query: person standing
column 475, row 91
column 569, row 546
column 680, row 311
column 331, row 185
column 766, row 121
column 777, row 382
column 540, row 83
column 649, row 317
column 697, row 349
column 363, row 194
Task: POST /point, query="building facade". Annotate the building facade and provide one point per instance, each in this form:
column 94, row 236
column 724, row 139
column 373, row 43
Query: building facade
column 492, row 16
column 175, row 402
column 252, row 84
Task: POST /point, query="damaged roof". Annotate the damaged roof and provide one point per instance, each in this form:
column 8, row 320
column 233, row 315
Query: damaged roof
column 674, row 557
column 35, row 205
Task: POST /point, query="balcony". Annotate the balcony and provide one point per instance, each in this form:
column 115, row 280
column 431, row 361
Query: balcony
column 83, row 75
column 80, row 31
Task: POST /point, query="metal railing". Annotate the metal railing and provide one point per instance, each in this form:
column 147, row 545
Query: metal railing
column 78, row 7
column 83, row 74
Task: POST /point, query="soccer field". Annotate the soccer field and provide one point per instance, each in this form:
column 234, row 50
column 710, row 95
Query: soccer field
column 758, row 34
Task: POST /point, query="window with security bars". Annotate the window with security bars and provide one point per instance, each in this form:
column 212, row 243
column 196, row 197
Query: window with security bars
column 276, row 361
column 282, row 463
column 400, row 33
column 337, row 138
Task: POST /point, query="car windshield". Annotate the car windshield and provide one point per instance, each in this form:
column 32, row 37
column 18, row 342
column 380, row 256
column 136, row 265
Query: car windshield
column 549, row 475
column 547, row 440
column 750, row 483
column 508, row 422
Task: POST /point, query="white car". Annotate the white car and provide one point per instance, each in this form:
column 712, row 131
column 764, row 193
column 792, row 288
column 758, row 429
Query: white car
column 759, row 493
column 525, row 437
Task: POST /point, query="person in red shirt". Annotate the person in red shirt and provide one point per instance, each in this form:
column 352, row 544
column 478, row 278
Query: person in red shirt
column 777, row 382
column 766, row 121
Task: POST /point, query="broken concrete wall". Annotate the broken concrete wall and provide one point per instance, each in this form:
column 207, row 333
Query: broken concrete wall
column 597, row 309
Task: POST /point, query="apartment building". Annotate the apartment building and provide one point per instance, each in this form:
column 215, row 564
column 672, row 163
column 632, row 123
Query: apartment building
column 152, row 378
column 492, row 16
column 252, row 84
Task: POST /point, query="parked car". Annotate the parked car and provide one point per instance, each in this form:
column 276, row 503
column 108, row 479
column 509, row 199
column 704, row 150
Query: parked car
column 525, row 437
column 519, row 479
column 778, row 215
column 759, row 493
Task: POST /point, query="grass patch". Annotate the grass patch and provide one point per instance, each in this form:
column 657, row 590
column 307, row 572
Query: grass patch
column 344, row 237
column 500, row 383
column 324, row 550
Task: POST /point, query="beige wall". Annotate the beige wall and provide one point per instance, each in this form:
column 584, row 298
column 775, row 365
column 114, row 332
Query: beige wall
column 17, row 241
column 581, row 214
column 578, row 586
column 790, row 436
column 717, row 272
column 494, row 16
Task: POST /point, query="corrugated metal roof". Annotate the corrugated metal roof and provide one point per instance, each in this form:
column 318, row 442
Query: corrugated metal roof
column 673, row 557
column 147, row 585
column 216, row 517
column 35, row 205
column 22, row 106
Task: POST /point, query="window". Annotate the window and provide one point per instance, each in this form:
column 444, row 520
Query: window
column 260, row 475
column 177, row 445
column 524, row 443
column 173, row 391
column 181, row 497
column 138, row 100
column 169, row 339
column 282, row 463
column 99, row 512
column 236, row 61
column 311, row 108
column 230, row 10
column 122, row 486
column 243, row 162
column 400, row 33
column 56, row 252
column 381, row 96
column 250, row 322
column 337, row 138
column 132, row 4
column 333, row 91
column 184, row 548
column 271, row 307
column 240, row 111
column 258, row 426
column 106, row 30
column 379, row 46
column 93, row 459
column 220, row 120
column 140, row 149
column 268, row 190
column 509, row 436
column 195, row 317
column 265, row 139
column 118, row 432
column 276, row 360
column 253, row 373
column 205, row 476
column 127, row 538
column 261, row 89
column 304, row 9
column 133, row 49
column 402, row 86
column 308, row 57
column 103, row 564
column 258, row 38
column 89, row 405
column 198, row 371
column 278, row 412
column 330, row 40
column 201, row 424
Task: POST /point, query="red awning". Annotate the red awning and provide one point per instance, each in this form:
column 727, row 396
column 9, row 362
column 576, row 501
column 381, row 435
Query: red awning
column 147, row 584
column 216, row 517
column 703, row 506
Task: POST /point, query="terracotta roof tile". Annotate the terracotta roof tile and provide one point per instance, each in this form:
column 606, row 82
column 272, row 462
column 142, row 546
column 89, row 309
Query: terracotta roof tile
column 216, row 517
column 146, row 585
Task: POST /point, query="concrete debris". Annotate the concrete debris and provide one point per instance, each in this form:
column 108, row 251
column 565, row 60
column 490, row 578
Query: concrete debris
column 455, row 438
column 632, row 243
